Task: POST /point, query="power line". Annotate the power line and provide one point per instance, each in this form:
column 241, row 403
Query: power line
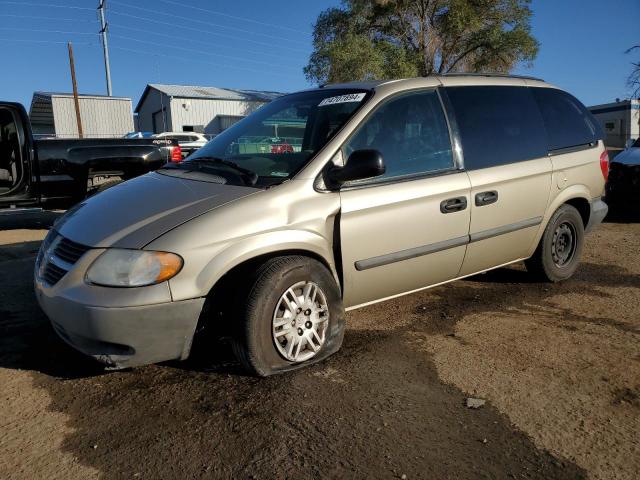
column 141, row 30
column 210, row 24
column 46, row 31
column 215, row 12
column 47, row 5
column 201, row 52
column 34, row 17
column 192, row 40
column 176, row 57
column 43, row 41
column 51, row 5
column 182, row 27
column 158, row 22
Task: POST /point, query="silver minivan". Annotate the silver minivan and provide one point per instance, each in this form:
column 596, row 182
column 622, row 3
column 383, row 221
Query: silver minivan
column 323, row 201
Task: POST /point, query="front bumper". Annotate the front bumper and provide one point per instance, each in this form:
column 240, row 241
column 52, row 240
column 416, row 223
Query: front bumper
column 623, row 185
column 121, row 336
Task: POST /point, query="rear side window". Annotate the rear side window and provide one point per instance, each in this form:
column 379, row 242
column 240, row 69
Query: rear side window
column 498, row 125
column 568, row 122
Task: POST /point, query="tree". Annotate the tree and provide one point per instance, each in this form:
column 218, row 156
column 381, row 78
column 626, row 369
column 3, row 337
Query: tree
column 633, row 82
column 370, row 39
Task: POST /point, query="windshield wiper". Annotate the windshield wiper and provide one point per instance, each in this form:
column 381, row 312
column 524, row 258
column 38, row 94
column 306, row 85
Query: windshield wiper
column 250, row 177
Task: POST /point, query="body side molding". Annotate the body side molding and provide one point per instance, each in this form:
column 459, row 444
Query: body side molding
column 410, row 253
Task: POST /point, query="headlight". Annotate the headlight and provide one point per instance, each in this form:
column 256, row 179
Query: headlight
column 133, row 268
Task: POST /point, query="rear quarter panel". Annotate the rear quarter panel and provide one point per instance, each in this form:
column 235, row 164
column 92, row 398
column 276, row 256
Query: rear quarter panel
column 575, row 175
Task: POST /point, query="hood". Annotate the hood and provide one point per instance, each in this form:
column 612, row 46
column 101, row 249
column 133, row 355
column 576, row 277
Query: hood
column 630, row 156
column 136, row 212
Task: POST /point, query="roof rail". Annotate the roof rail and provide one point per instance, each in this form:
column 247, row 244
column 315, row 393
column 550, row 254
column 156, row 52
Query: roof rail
column 504, row 75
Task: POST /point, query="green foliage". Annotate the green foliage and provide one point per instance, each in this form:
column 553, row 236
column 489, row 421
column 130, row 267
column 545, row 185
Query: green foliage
column 372, row 39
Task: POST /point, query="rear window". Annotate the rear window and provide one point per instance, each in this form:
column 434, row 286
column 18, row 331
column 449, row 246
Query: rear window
column 568, row 122
column 498, row 125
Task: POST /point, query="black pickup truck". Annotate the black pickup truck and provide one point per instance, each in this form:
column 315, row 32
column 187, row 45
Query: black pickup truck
column 59, row 173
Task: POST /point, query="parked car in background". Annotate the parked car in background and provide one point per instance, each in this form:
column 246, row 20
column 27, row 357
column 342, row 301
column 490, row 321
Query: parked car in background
column 189, row 141
column 398, row 186
column 623, row 186
column 37, row 172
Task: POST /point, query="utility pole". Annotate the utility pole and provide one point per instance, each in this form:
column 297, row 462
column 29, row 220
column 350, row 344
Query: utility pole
column 105, row 45
column 75, row 89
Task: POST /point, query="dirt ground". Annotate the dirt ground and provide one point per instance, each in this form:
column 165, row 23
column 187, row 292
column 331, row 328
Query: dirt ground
column 559, row 367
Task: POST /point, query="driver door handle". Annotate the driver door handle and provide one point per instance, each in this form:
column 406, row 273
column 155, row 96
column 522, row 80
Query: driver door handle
column 453, row 205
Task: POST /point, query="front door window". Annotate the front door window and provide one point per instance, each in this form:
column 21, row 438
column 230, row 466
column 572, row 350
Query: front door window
column 412, row 134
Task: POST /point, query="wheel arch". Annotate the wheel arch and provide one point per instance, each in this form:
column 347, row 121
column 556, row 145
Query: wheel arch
column 584, row 209
column 207, row 266
column 227, row 283
column 252, row 262
column 578, row 196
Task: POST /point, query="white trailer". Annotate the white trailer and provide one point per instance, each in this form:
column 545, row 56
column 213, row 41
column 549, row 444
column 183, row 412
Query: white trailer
column 620, row 121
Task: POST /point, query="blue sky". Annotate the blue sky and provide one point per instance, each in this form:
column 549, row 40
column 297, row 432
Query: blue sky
column 265, row 44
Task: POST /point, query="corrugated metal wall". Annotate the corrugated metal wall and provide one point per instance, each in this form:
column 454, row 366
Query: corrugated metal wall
column 194, row 111
column 153, row 103
column 101, row 117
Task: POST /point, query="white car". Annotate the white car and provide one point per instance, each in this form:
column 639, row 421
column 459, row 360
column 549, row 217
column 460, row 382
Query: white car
column 189, row 141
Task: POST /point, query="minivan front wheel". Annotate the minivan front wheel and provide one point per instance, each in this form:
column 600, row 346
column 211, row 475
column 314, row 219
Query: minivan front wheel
column 292, row 316
column 560, row 247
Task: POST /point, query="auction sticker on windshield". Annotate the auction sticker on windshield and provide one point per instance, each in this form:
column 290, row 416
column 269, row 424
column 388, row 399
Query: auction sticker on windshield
column 350, row 97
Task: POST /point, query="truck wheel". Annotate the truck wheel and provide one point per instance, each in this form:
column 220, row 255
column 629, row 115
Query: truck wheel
column 292, row 316
column 560, row 247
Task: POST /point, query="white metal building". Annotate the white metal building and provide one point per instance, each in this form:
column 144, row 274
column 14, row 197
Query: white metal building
column 620, row 121
column 54, row 114
column 184, row 108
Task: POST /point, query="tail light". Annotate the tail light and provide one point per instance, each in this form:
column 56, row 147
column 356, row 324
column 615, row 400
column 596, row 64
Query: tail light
column 604, row 165
column 176, row 154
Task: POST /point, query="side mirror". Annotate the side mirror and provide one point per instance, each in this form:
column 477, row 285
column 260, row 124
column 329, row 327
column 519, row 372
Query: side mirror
column 361, row 164
column 629, row 143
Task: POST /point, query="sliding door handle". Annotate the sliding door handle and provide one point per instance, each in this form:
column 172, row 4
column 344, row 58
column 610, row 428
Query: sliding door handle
column 453, row 205
column 486, row 198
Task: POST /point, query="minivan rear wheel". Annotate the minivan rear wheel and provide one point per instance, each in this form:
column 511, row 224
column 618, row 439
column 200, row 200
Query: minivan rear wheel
column 292, row 316
column 558, row 253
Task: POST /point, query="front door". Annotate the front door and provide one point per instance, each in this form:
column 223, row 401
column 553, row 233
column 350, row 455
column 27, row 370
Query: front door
column 14, row 167
column 407, row 229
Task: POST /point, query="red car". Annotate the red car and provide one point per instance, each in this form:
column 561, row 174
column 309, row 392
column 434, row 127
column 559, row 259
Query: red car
column 281, row 148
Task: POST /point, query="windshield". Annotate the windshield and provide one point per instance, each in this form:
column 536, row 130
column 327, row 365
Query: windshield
column 277, row 140
column 636, row 144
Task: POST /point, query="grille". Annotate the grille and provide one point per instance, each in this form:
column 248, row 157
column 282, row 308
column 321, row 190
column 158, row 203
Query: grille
column 69, row 251
column 52, row 273
column 57, row 257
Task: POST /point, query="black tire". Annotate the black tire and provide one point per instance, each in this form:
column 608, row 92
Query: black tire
column 253, row 342
column 558, row 254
